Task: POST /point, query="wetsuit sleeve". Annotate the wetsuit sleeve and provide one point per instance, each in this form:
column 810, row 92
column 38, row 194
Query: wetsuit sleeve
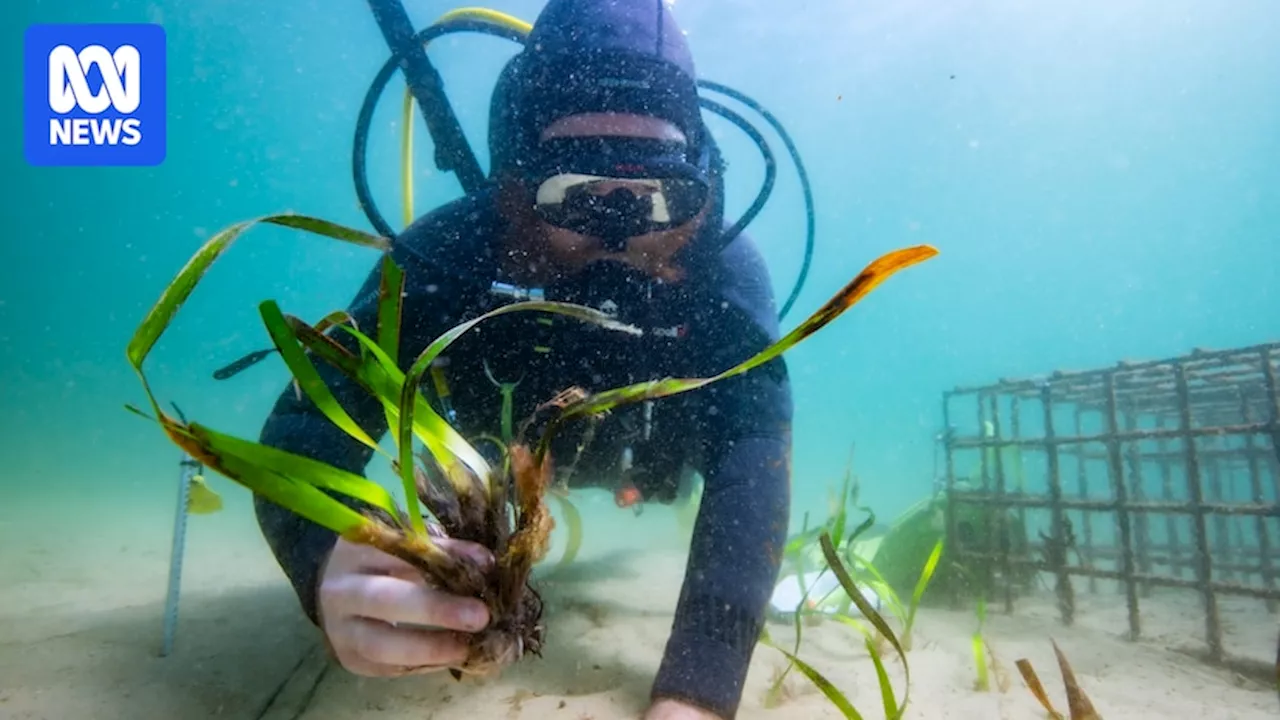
column 296, row 425
column 742, row 523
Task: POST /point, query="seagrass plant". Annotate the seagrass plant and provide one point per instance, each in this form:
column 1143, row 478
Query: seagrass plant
column 1079, row 707
column 841, row 555
column 879, row 631
column 502, row 508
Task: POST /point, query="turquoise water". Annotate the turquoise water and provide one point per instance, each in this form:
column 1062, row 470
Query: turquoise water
column 1100, row 178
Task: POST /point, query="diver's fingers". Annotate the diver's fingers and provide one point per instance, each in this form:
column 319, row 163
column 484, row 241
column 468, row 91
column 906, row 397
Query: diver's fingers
column 405, row 602
column 378, row 649
column 478, row 553
column 373, row 560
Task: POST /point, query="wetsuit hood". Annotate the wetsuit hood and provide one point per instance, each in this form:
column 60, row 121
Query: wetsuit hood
column 581, row 56
column 593, row 56
column 641, row 27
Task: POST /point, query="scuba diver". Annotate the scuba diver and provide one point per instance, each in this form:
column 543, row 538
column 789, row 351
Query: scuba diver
column 605, row 189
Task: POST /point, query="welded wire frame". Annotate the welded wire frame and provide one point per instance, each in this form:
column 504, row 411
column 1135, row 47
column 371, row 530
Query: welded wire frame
column 1152, row 474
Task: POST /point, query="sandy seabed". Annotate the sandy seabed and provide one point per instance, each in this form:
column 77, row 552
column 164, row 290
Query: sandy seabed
column 80, row 630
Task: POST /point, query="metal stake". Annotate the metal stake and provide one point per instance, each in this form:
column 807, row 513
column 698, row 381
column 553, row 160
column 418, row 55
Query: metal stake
column 189, row 468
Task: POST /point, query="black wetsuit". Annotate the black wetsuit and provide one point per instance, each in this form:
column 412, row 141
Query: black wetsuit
column 735, row 433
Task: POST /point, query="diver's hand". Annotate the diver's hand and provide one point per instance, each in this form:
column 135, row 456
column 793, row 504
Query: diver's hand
column 369, row 600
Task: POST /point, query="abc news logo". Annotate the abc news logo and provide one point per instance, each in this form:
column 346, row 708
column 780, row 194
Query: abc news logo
column 69, row 89
column 95, row 95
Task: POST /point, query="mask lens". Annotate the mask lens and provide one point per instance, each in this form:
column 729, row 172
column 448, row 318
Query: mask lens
column 606, row 187
column 574, row 201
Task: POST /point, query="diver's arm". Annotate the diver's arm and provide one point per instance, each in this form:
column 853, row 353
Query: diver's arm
column 737, row 543
column 741, row 528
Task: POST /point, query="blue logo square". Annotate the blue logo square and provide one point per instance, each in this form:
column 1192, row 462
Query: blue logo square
column 94, row 94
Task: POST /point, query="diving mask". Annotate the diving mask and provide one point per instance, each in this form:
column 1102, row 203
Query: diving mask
column 615, row 188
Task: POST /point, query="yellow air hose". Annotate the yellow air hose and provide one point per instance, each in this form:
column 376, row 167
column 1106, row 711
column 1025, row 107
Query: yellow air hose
column 486, row 15
column 467, row 14
column 406, row 158
column 572, row 518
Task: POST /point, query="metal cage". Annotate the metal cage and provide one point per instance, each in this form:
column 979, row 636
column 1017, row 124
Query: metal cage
column 1152, row 474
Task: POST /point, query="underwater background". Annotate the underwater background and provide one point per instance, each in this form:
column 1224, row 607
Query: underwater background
column 1100, row 178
